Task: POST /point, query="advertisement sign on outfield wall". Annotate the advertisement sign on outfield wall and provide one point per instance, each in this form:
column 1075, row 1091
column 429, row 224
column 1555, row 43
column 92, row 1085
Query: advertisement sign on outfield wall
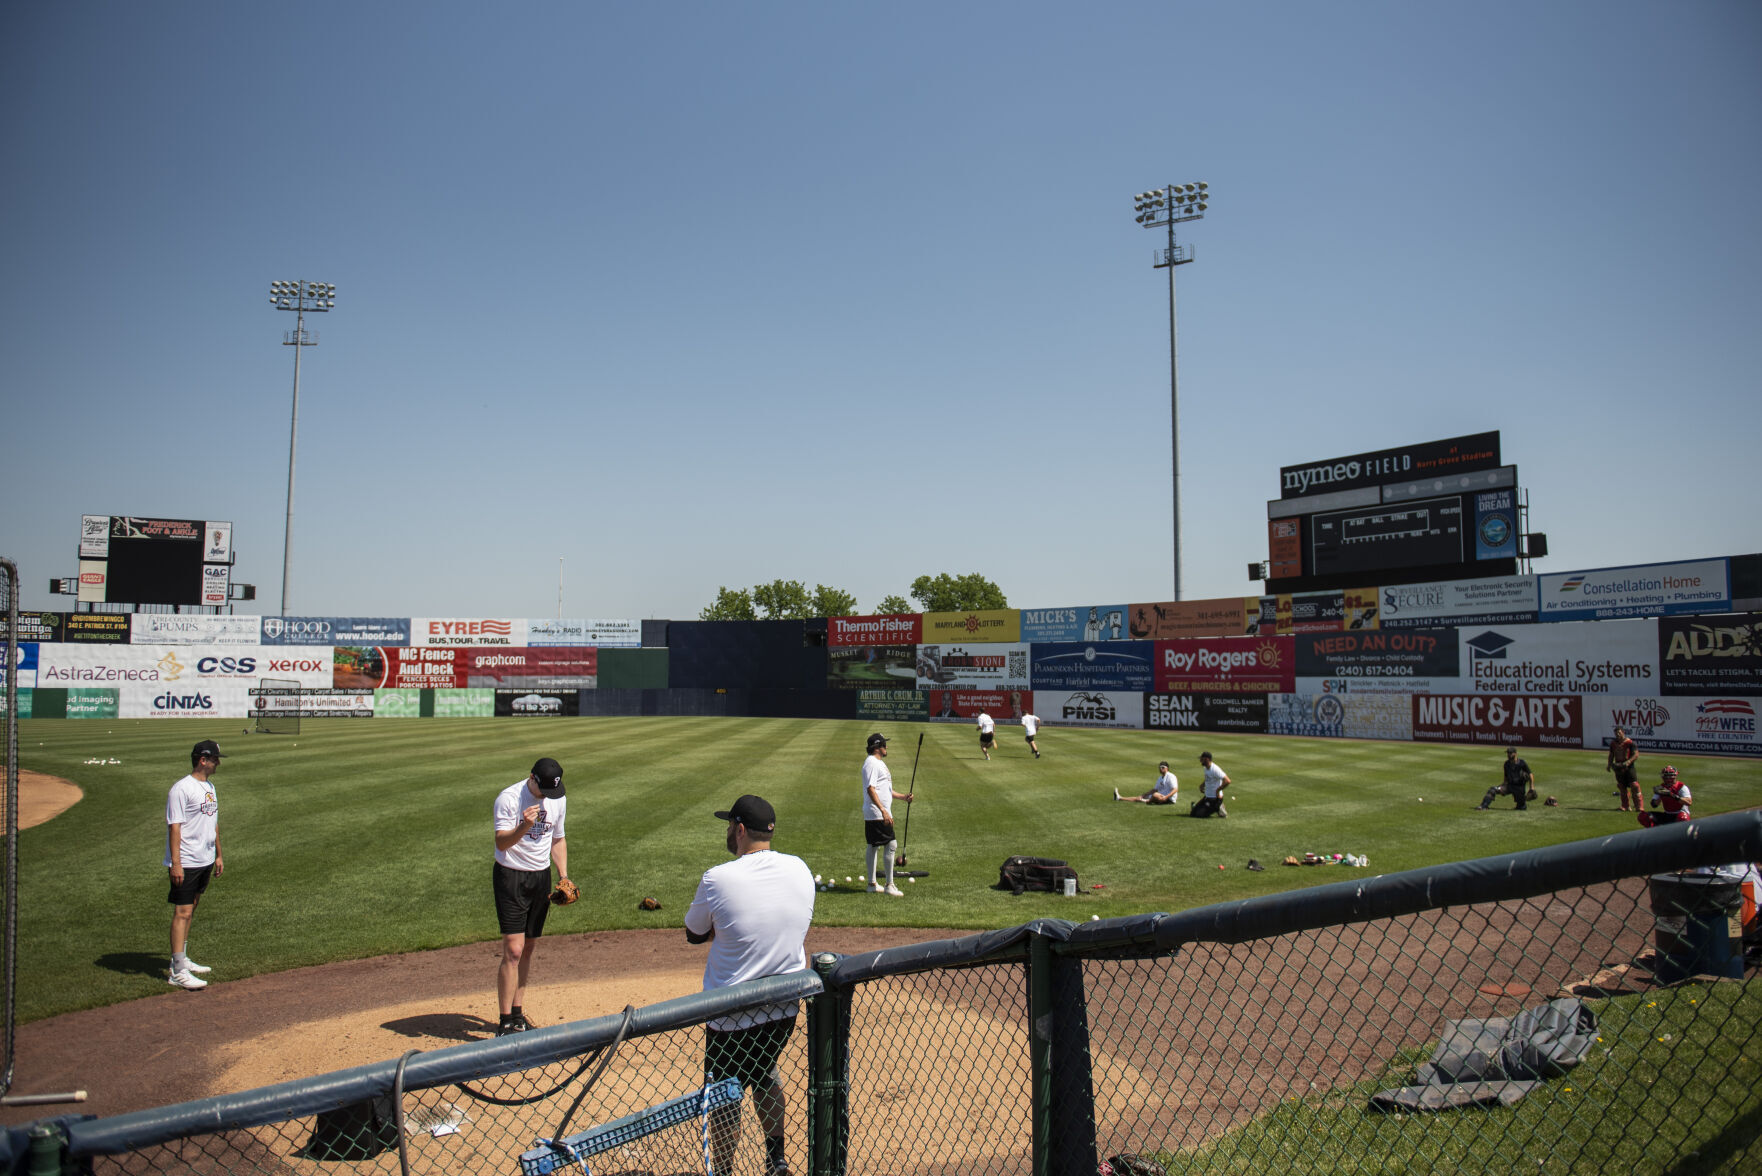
column 1572, row 657
column 854, row 667
column 426, row 667
column 24, row 665
column 95, row 628
column 336, row 631
column 537, row 704
column 963, row 706
column 1500, row 720
column 1093, row 665
column 1341, row 716
column 1374, row 657
column 1219, row 665
column 99, row 703
column 1240, row 714
column 996, row 624
column 193, row 629
column 467, row 631
column 1710, row 655
column 1707, row 725
column 35, row 626
column 605, row 634
column 895, row 706
column 269, row 702
column 1645, row 590
column 973, row 667
column 177, row 665
column 1497, row 600
column 397, row 704
column 1229, row 616
column 464, row 704
column 1089, row 622
column 1091, row 708
column 889, row 629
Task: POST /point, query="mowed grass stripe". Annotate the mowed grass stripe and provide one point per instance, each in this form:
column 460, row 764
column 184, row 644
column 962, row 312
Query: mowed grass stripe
column 362, row 838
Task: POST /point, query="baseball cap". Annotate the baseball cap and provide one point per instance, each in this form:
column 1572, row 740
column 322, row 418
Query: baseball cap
column 206, row 748
column 756, row 813
column 877, row 740
column 547, row 775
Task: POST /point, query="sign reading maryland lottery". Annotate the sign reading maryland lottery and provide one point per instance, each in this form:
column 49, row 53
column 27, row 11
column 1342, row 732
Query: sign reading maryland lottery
column 1219, row 665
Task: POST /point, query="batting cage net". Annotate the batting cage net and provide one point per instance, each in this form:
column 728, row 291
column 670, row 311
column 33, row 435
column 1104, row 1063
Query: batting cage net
column 9, row 885
column 1587, row 1008
column 275, row 706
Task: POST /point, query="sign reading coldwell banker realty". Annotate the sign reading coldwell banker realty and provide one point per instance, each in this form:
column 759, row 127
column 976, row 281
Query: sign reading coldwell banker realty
column 1647, row 590
column 1242, row 714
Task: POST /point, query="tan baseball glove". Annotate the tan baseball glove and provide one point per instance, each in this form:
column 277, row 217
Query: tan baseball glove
column 650, row 904
column 565, row 893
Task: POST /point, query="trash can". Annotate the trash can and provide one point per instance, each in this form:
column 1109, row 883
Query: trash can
column 1699, row 926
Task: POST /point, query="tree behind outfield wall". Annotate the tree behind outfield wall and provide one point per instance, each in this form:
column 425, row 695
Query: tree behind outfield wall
column 892, row 606
column 969, row 593
column 780, row 600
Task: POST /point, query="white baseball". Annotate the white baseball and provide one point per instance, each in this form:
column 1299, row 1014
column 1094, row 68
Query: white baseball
column 847, row 877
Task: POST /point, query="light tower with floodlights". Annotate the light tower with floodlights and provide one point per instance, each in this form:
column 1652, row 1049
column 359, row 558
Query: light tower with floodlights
column 300, row 297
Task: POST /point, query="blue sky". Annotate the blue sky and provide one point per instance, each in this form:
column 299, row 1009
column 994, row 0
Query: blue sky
column 705, row 294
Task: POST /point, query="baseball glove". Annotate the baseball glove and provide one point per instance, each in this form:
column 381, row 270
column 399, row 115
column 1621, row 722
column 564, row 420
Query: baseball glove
column 1552, row 802
column 1532, row 794
column 565, row 893
column 650, row 904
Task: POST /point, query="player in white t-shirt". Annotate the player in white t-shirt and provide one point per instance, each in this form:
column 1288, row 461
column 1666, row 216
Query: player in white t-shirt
column 1166, row 790
column 1216, row 780
column 754, row 913
column 192, row 856
column 1031, row 728
column 529, row 837
column 878, row 798
column 987, row 733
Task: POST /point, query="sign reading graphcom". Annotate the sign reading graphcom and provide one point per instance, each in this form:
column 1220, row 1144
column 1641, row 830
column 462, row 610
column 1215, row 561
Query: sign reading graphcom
column 414, row 667
column 997, row 624
column 1235, row 665
column 1168, row 619
column 1500, row 719
column 1710, row 655
column 1651, row 590
column 893, row 629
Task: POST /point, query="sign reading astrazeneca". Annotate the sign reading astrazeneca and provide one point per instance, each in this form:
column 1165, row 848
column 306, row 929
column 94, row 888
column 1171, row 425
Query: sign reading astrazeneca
column 1455, row 455
column 1649, row 590
column 336, row 631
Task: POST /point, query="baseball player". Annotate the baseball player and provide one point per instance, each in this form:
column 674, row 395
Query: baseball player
column 529, row 837
column 878, row 798
column 1030, row 728
column 987, row 733
column 1166, row 790
column 1623, row 755
column 1518, row 782
column 1212, row 789
column 1671, row 800
column 192, row 856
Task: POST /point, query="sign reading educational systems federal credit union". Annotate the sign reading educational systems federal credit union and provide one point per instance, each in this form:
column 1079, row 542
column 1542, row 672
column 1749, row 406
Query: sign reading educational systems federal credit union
column 1647, row 590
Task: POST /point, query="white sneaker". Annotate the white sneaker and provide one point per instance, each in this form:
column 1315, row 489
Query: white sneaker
column 198, row 969
column 874, row 888
column 1116, row 794
column 185, row 980
column 896, row 892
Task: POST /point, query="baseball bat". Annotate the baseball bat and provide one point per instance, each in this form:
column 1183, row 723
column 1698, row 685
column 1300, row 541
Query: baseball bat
column 899, row 859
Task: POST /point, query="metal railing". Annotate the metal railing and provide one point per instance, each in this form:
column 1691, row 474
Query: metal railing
column 1581, row 1008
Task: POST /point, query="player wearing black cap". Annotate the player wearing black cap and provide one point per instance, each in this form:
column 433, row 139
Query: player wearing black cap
column 529, row 837
column 192, row 856
column 878, row 798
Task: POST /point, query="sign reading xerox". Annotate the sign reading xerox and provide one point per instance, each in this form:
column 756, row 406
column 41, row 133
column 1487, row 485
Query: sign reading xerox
column 1649, row 590
column 1094, row 665
column 336, row 631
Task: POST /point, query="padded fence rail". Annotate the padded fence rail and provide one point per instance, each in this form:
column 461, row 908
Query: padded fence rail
column 1583, row 1008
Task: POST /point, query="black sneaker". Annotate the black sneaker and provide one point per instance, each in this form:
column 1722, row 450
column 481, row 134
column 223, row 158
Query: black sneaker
column 506, row 1028
column 521, row 1024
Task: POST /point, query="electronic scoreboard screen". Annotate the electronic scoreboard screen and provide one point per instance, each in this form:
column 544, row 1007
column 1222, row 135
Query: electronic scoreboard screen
column 1409, row 534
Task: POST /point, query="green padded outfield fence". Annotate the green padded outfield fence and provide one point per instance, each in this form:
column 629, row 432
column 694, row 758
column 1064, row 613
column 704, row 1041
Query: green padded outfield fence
column 1275, row 1034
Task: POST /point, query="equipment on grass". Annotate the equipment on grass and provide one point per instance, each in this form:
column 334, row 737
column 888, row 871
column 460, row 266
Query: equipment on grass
column 1019, row 874
column 899, row 858
column 565, row 893
column 650, row 904
column 275, row 706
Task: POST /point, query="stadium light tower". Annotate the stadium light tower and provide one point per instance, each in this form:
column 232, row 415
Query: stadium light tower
column 299, row 297
column 1167, row 207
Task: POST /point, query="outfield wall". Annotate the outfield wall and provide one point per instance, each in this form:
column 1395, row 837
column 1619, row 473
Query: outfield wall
column 1497, row 662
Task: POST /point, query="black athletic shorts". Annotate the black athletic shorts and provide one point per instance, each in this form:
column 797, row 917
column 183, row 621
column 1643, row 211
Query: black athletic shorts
column 986, row 738
column 523, row 899
column 877, row 832
column 194, row 886
column 747, row 1054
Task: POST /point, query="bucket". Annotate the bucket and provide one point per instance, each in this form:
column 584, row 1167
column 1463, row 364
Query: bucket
column 1070, row 888
column 1699, row 926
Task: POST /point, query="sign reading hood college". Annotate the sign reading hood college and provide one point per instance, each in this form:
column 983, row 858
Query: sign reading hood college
column 1456, row 455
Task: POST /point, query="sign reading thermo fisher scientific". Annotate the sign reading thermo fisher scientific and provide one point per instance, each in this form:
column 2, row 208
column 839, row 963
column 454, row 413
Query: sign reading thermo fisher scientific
column 1647, row 590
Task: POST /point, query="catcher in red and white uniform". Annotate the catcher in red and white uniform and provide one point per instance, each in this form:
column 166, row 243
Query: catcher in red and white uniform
column 1670, row 800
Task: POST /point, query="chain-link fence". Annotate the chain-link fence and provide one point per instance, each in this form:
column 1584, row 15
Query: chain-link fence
column 1577, row 1009
column 9, row 884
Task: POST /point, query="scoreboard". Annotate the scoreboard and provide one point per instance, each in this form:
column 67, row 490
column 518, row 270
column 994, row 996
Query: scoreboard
column 1442, row 510
column 130, row 559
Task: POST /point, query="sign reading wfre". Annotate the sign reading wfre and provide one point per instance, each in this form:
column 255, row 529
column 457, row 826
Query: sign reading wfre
column 1705, row 725
column 1653, row 590
column 548, row 667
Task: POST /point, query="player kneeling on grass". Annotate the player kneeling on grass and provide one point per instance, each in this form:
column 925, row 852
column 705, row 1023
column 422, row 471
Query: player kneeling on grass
column 1216, row 780
column 1670, row 801
column 1166, row 790
column 754, row 913
column 1519, row 783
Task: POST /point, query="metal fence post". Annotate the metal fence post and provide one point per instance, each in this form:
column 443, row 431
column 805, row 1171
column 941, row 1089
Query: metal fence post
column 828, row 1074
column 1040, row 1034
column 1073, row 1090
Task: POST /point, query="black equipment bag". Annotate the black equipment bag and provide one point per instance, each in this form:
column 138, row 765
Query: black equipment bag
column 1019, row 874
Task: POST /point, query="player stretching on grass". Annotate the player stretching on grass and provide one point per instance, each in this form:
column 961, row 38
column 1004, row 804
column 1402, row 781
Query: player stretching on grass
column 192, row 856
column 529, row 837
column 1166, row 790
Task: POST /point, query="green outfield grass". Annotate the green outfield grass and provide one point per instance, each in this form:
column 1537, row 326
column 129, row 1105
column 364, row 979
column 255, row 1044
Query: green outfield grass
column 362, row 838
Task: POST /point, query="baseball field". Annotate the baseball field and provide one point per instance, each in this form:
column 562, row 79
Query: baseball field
column 357, row 839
